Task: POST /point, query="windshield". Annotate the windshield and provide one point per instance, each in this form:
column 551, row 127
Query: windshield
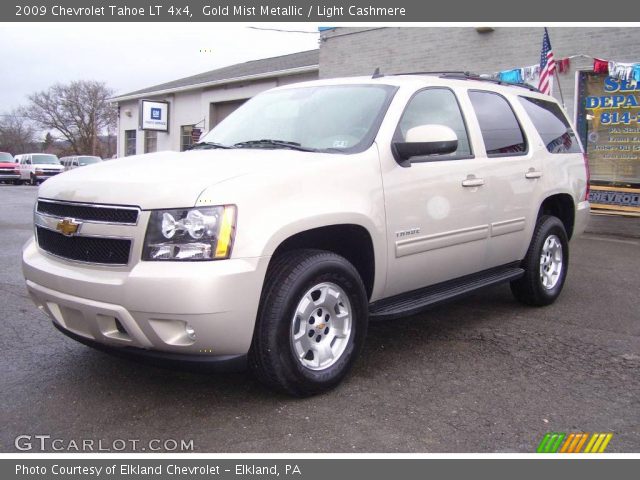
column 334, row 118
column 6, row 157
column 45, row 160
column 88, row 160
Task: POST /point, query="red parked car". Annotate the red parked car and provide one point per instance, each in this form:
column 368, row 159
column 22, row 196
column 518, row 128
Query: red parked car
column 9, row 169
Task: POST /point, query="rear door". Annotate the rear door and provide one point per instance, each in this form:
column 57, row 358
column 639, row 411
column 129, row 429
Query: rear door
column 513, row 179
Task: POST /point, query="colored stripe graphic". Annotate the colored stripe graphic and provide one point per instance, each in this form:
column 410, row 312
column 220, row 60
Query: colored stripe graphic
column 571, row 441
column 598, row 443
column 593, row 439
column 555, row 442
column 581, row 443
column 551, row 442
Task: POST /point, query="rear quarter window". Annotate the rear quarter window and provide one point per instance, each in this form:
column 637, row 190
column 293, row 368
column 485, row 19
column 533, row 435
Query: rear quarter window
column 552, row 125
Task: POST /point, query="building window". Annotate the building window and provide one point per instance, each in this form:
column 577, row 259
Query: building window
column 608, row 114
column 186, row 138
column 129, row 142
column 150, row 141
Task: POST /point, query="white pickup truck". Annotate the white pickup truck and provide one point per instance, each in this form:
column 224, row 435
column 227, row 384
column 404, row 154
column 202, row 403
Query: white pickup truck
column 312, row 209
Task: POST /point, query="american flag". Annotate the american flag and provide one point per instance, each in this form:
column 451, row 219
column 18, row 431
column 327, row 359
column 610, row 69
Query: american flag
column 547, row 65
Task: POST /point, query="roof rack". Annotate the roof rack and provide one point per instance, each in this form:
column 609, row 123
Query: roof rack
column 460, row 75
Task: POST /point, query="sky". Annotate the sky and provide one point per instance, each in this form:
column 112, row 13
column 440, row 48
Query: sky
column 130, row 56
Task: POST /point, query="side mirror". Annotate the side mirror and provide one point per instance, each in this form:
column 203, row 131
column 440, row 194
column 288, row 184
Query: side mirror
column 427, row 140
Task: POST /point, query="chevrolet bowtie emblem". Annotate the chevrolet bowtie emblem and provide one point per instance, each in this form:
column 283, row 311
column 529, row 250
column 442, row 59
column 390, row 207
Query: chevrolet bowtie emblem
column 68, row 227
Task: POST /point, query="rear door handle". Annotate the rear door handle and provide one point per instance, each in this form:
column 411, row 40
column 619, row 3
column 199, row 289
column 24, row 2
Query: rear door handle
column 472, row 181
column 532, row 173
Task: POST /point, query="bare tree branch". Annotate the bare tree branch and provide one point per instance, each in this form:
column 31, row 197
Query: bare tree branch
column 17, row 134
column 80, row 111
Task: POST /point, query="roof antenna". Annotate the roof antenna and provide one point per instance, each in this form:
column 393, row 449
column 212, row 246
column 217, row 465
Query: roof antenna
column 376, row 73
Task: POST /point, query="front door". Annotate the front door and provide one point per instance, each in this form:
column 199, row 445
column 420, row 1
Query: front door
column 438, row 207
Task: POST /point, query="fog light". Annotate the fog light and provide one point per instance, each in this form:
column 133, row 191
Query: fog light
column 191, row 333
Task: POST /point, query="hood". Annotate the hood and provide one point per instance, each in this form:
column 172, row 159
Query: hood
column 168, row 179
column 9, row 165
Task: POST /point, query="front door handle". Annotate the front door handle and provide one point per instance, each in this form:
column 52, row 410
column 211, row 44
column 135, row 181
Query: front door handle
column 533, row 173
column 473, row 181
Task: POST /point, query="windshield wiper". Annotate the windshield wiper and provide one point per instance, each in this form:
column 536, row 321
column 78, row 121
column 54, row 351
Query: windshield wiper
column 274, row 143
column 204, row 145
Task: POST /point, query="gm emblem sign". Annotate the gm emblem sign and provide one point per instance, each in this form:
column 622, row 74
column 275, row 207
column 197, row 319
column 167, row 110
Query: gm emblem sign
column 154, row 115
column 68, row 227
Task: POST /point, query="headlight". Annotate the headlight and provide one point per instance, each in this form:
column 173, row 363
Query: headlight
column 190, row 234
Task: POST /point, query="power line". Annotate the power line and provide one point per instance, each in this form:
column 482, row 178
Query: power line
column 281, row 30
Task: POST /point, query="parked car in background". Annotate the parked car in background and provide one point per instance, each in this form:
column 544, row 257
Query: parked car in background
column 6, row 157
column 75, row 161
column 9, row 171
column 37, row 167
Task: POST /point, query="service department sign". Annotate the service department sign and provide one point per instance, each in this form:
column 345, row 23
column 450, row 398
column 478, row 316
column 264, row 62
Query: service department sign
column 154, row 115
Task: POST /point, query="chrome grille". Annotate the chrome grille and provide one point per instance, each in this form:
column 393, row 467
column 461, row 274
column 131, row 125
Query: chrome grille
column 89, row 212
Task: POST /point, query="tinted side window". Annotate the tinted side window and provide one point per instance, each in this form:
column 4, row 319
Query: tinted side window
column 553, row 127
column 500, row 128
column 436, row 106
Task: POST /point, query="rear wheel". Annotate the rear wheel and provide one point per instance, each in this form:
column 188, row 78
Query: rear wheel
column 545, row 264
column 311, row 323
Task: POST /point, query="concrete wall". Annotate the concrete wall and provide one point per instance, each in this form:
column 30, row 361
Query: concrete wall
column 193, row 107
column 358, row 51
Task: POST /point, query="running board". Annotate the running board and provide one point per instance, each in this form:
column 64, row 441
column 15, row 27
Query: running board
column 416, row 301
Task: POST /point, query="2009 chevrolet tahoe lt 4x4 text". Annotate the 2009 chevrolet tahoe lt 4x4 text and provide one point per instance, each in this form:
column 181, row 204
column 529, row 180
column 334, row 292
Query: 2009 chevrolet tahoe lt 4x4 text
column 310, row 210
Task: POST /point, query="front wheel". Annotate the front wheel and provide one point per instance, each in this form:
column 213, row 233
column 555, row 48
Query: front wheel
column 545, row 264
column 311, row 323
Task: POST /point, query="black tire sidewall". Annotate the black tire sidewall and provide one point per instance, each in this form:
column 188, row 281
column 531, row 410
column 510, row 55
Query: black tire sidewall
column 549, row 226
column 305, row 381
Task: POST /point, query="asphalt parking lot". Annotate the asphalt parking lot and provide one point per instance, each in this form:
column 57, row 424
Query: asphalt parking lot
column 482, row 375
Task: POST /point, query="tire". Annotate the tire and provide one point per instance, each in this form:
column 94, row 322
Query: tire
column 304, row 300
column 545, row 265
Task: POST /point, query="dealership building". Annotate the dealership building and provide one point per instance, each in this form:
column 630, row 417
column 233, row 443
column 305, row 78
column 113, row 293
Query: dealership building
column 596, row 69
column 171, row 115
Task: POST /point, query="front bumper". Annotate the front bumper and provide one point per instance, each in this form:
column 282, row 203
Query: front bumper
column 44, row 175
column 149, row 306
column 9, row 176
column 214, row 363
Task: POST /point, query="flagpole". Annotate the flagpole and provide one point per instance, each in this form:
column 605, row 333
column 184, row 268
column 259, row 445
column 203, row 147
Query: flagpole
column 559, row 87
